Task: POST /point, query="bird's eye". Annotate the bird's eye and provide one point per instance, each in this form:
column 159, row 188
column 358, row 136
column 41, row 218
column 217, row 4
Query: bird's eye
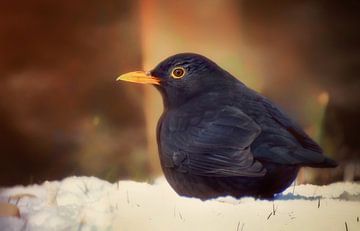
column 178, row 72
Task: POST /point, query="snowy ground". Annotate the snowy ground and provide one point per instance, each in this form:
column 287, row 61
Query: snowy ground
column 88, row 203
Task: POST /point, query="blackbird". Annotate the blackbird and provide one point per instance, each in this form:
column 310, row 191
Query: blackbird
column 217, row 137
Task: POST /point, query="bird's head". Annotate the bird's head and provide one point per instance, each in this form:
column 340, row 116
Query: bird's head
column 182, row 77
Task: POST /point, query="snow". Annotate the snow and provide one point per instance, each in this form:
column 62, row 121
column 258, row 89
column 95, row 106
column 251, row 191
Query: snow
column 88, row 203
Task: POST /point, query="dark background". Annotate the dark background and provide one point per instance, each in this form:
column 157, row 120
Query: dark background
column 62, row 113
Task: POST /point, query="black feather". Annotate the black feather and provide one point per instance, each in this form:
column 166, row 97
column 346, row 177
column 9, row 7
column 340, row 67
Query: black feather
column 217, row 137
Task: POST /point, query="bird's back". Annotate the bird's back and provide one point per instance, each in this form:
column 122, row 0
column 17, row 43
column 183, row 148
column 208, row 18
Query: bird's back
column 292, row 145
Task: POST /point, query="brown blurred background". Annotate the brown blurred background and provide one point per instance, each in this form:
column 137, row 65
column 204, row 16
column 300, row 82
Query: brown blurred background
column 62, row 113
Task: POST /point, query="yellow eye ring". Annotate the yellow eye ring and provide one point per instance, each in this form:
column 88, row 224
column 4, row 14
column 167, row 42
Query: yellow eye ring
column 178, row 72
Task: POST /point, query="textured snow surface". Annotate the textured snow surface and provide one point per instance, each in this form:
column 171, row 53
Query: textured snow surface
column 88, row 203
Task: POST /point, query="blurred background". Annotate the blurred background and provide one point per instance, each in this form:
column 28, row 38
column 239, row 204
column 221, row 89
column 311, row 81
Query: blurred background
column 62, row 113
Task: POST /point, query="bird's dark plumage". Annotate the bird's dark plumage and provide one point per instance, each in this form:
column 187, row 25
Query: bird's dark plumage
column 217, row 137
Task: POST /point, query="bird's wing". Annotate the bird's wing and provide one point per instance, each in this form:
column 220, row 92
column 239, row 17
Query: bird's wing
column 287, row 143
column 217, row 143
column 291, row 127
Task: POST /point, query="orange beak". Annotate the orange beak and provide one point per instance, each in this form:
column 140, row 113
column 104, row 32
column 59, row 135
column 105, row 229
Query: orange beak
column 139, row 77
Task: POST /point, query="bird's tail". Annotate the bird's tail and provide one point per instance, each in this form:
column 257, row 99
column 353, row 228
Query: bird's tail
column 327, row 163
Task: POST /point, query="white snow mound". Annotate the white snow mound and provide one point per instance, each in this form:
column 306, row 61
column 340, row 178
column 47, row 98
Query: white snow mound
column 88, row 203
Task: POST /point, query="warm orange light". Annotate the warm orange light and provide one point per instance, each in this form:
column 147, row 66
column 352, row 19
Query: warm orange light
column 323, row 98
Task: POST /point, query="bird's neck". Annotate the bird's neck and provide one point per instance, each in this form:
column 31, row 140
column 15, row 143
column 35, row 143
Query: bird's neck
column 178, row 99
column 175, row 99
